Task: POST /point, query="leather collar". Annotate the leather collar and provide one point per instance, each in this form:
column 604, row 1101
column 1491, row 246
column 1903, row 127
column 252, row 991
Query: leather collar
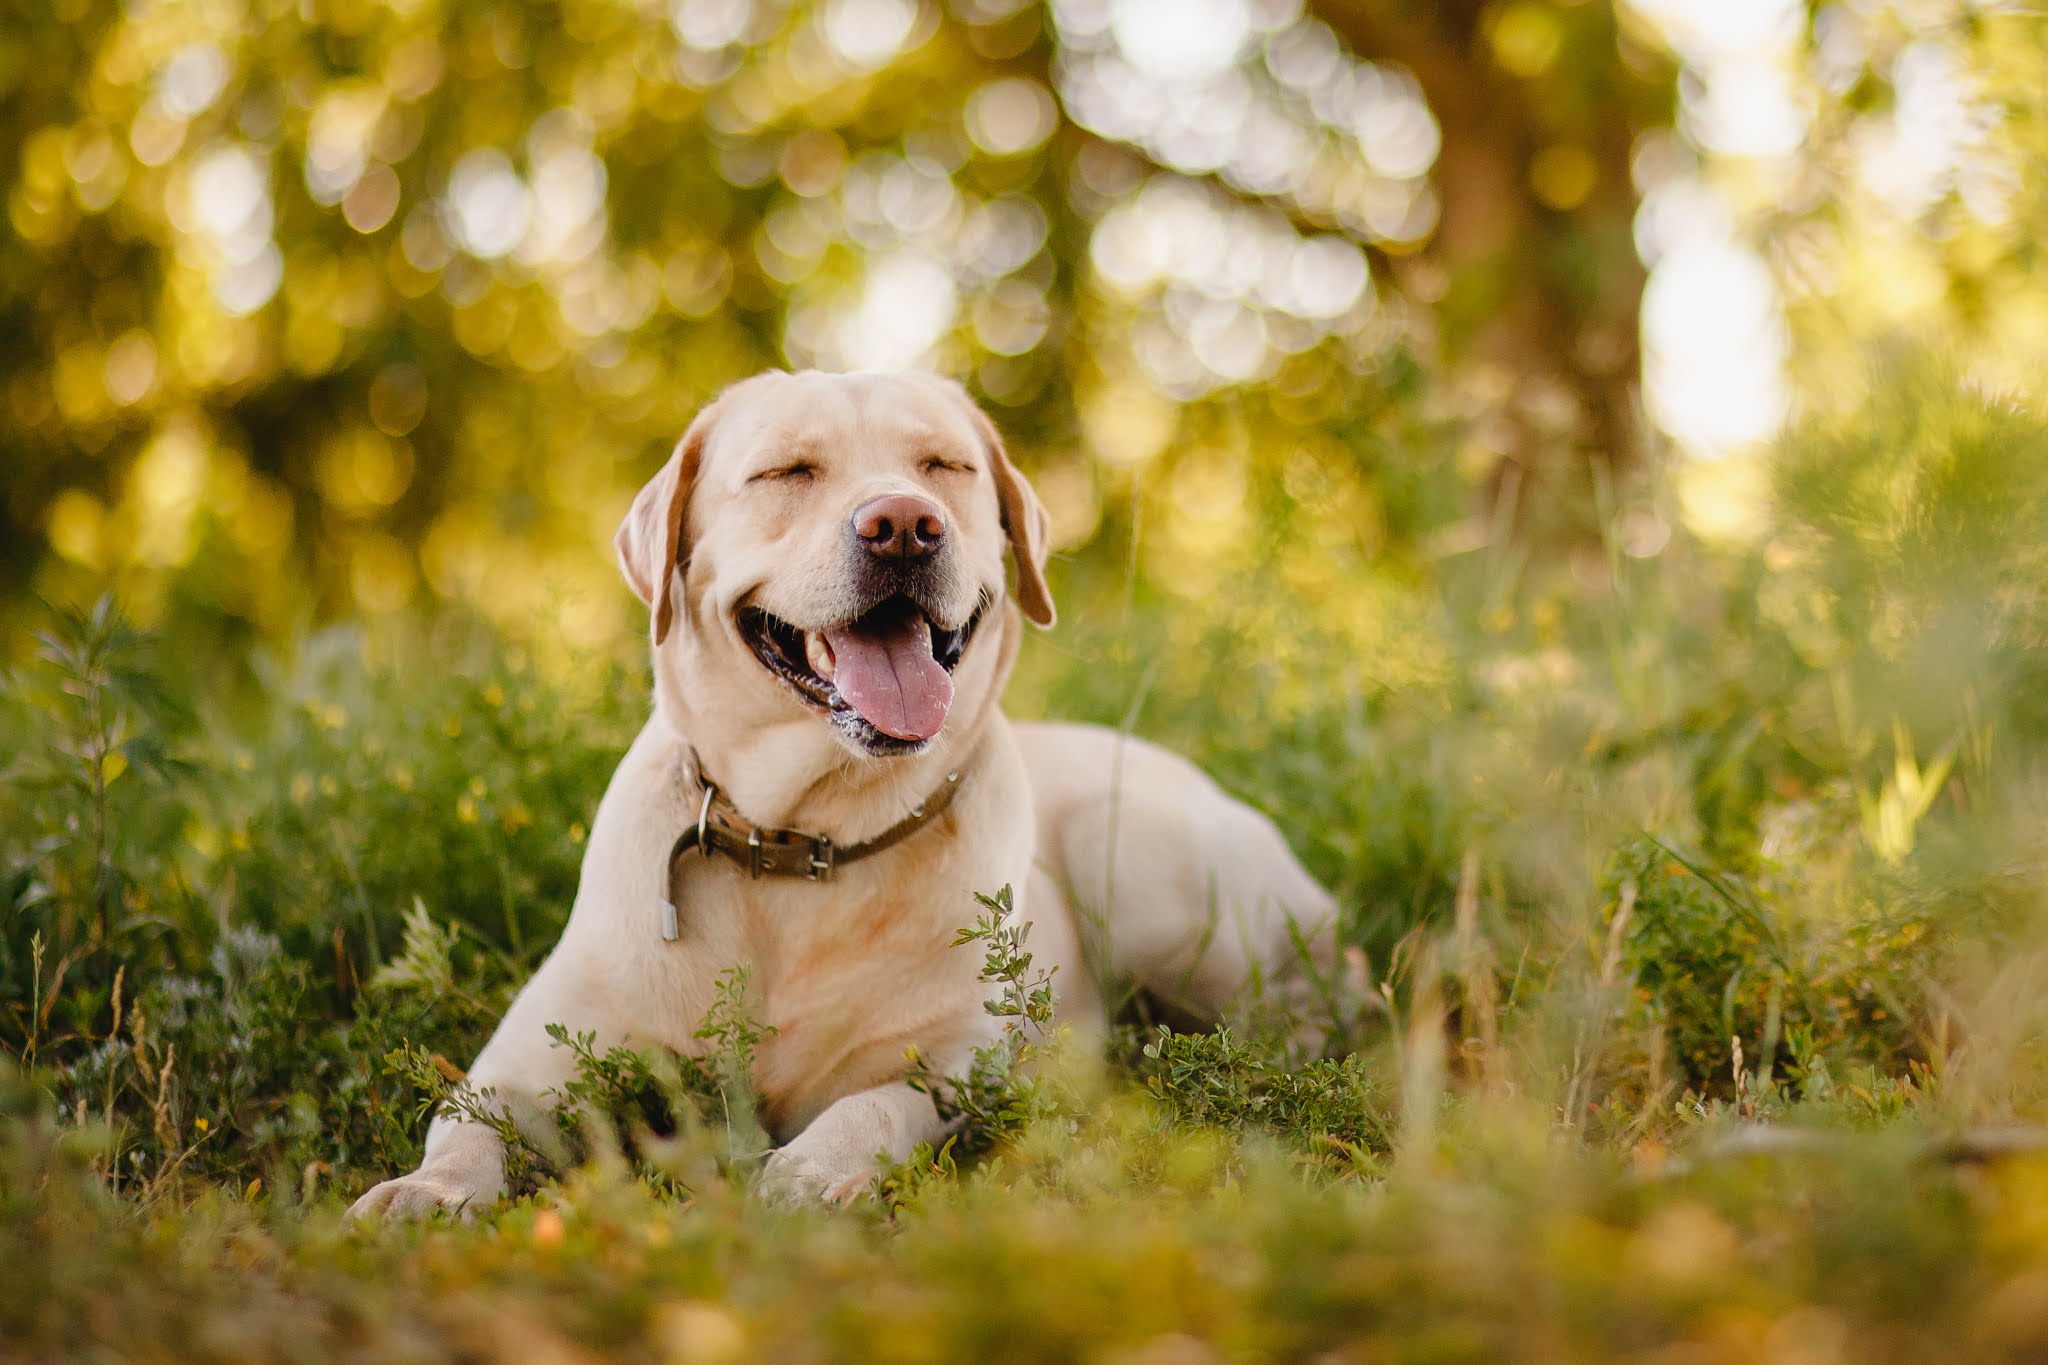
column 720, row 829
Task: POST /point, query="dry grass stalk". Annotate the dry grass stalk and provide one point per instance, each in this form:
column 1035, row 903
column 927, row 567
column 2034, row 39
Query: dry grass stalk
column 1476, row 981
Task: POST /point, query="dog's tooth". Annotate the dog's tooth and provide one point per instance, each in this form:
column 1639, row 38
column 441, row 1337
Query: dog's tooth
column 818, row 650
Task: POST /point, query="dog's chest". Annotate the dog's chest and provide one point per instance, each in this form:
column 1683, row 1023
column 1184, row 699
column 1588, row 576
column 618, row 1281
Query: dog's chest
column 848, row 987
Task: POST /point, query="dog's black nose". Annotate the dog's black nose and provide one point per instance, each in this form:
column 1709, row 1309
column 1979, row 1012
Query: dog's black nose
column 900, row 526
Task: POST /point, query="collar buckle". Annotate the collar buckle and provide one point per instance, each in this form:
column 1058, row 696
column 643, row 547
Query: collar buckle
column 704, row 820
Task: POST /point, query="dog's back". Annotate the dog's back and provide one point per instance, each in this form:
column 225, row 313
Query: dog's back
column 1177, row 889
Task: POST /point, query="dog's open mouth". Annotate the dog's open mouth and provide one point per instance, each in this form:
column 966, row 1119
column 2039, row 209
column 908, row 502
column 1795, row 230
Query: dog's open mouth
column 890, row 667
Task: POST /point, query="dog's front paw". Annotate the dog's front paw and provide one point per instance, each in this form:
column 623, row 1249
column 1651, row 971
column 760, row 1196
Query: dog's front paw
column 423, row 1192
column 795, row 1176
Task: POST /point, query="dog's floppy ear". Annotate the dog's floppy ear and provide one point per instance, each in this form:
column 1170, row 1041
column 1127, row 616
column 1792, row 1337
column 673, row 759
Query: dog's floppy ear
column 1026, row 522
column 650, row 539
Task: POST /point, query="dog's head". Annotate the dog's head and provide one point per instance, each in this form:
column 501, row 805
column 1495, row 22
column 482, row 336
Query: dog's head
column 832, row 548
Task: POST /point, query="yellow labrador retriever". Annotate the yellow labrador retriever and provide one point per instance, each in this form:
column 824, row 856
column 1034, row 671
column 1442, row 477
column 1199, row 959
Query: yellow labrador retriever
column 827, row 779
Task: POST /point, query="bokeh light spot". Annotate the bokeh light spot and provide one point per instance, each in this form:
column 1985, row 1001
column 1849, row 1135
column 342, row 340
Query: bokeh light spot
column 866, row 34
column 1526, row 38
column 1180, row 40
column 229, row 194
column 1715, row 346
column 75, row 524
column 490, row 206
column 1563, row 176
column 709, row 25
column 131, row 368
column 1011, row 116
column 191, row 81
column 372, row 200
column 242, row 287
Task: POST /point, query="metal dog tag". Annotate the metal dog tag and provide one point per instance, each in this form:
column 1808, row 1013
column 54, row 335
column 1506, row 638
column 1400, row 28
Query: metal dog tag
column 671, row 924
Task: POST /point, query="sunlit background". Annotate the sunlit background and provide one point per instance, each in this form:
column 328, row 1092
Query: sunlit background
column 1579, row 466
column 370, row 305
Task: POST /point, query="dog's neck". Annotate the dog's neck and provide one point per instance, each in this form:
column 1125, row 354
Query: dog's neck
column 787, row 781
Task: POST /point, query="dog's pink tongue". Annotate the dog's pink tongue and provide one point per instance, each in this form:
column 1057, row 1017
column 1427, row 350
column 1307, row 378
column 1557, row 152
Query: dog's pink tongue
column 886, row 671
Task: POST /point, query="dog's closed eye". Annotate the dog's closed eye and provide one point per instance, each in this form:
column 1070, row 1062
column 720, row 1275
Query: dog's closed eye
column 939, row 464
column 801, row 471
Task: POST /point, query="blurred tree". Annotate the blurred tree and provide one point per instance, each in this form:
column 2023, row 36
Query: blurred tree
column 382, row 299
column 341, row 305
column 1533, row 269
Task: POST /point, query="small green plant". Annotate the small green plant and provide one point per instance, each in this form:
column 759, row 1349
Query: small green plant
column 86, row 866
column 726, row 1072
column 999, row 1094
column 1218, row 1079
column 1713, row 955
column 426, row 955
column 616, row 1098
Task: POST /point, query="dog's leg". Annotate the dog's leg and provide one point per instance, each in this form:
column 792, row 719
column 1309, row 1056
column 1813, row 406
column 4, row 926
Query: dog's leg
column 463, row 1168
column 833, row 1159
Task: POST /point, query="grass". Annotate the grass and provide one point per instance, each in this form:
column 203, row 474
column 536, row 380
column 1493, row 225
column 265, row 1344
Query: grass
column 1703, row 894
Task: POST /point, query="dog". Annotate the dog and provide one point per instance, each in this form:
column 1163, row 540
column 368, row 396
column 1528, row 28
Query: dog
column 827, row 778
